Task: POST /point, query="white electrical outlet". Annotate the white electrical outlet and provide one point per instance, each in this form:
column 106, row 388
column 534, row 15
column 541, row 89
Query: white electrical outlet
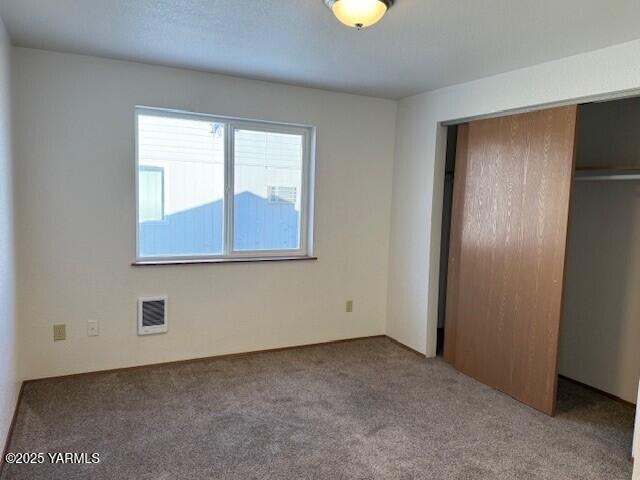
column 92, row 328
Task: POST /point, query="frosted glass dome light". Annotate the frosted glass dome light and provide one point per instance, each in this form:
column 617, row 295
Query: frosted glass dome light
column 359, row 13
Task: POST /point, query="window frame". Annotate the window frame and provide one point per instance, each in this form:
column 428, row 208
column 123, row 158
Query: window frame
column 231, row 124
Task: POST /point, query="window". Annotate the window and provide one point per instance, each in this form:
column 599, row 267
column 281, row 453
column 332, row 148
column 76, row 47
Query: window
column 282, row 194
column 151, row 181
column 213, row 187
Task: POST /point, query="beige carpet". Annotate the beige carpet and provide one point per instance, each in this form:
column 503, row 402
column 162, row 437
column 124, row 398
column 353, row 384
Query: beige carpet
column 366, row 409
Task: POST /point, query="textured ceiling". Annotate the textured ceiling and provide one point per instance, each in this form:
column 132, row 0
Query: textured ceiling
column 420, row 45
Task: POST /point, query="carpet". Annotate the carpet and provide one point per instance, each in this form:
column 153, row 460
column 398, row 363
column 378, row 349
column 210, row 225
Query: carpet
column 366, row 409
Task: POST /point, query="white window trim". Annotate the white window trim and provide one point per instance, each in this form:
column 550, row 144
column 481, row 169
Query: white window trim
column 231, row 124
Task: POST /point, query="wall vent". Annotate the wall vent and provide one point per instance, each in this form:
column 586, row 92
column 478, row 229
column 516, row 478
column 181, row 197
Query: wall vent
column 152, row 315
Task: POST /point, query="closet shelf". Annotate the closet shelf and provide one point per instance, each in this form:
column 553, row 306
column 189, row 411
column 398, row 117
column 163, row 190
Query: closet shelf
column 607, row 173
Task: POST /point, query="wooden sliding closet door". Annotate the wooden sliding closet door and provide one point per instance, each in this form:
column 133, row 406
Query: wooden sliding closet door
column 512, row 187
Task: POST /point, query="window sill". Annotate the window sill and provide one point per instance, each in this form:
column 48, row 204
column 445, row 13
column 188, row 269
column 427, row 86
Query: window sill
column 202, row 261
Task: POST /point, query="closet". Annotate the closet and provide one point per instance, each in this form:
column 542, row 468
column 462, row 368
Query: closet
column 600, row 330
column 540, row 259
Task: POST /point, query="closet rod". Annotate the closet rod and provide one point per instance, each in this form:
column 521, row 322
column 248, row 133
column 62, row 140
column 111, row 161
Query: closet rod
column 600, row 178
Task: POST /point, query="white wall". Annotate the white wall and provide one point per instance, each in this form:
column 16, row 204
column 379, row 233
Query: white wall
column 9, row 385
column 419, row 166
column 600, row 338
column 76, row 227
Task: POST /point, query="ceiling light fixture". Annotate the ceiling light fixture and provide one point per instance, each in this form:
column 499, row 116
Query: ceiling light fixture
column 359, row 13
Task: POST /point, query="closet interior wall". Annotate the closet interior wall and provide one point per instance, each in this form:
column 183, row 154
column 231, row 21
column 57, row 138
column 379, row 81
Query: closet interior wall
column 600, row 330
